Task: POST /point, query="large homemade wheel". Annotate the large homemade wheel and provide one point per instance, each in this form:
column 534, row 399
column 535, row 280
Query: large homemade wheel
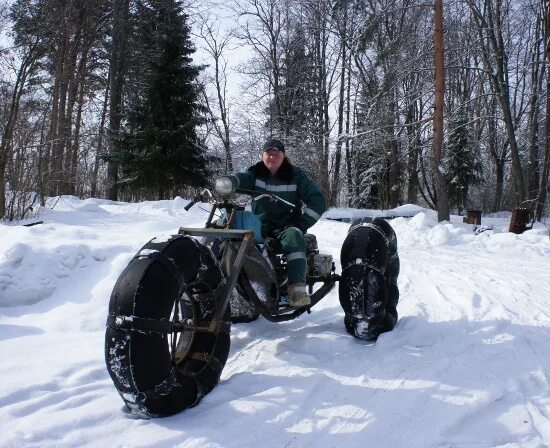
column 258, row 274
column 160, row 350
column 368, row 286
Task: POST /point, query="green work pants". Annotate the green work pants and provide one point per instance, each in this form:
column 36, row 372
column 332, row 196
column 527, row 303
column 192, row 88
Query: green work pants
column 294, row 247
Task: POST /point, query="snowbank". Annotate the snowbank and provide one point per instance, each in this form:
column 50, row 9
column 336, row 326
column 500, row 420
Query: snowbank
column 468, row 363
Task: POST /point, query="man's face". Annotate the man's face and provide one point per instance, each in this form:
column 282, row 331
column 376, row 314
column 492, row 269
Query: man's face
column 273, row 159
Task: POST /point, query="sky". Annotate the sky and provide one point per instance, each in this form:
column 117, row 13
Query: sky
column 467, row 365
column 4, row 38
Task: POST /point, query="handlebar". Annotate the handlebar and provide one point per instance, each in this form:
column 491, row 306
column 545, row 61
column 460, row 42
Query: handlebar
column 188, row 206
column 197, row 198
column 275, row 198
column 270, row 196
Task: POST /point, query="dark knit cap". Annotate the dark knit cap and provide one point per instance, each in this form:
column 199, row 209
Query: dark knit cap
column 275, row 144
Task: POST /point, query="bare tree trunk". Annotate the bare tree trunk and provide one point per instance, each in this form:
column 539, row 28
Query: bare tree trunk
column 489, row 25
column 429, row 196
column 76, row 143
column 98, row 154
column 413, row 115
column 42, row 162
column 499, row 156
column 412, row 160
column 335, row 188
column 394, row 173
column 349, row 171
column 321, row 101
column 55, row 158
column 76, row 96
column 117, row 70
column 534, row 113
column 325, row 174
column 26, row 67
column 225, row 122
column 66, row 76
column 216, row 48
column 442, row 195
column 546, row 165
column 74, row 77
column 499, row 184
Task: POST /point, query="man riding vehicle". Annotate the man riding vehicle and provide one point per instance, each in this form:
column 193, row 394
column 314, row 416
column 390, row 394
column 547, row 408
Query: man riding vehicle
column 275, row 174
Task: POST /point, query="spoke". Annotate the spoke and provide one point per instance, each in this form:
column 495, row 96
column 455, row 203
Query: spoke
column 174, row 335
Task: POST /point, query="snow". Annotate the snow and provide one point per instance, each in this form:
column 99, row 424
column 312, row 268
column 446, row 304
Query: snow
column 468, row 363
column 349, row 214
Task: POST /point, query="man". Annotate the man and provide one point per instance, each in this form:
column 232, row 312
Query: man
column 275, row 174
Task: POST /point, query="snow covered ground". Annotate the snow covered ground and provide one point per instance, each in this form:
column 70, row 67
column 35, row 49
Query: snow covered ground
column 468, row 364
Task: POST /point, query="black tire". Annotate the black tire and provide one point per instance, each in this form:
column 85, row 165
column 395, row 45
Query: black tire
column 157, row 372
column 257, row 273
column 368, row 289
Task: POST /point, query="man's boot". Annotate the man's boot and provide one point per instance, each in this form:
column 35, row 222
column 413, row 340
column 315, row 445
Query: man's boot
column 297, row 295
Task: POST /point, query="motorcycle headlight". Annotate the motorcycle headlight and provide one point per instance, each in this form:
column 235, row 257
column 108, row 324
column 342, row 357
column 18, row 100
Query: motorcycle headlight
column 224, row 186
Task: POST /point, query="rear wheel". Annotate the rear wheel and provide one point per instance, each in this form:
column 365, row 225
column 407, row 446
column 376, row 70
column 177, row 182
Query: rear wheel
column 258, row 274
column 162, row 350
column 368, row 286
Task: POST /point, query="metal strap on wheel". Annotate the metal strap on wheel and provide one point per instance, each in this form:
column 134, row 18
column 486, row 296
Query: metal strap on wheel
column 373, row 227
column 163, row 326
column 163, row 388
column 133, row 323
column 204, row 327
column 209, row 361
column 365, row 264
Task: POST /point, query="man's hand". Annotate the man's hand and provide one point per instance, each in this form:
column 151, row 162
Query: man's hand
column 224, row 186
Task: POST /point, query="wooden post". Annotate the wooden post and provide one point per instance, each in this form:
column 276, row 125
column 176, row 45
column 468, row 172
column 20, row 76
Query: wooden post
column 520, row 219
column 472, row 217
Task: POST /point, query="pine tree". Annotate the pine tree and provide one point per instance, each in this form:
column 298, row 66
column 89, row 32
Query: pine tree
column 463, row 166
column 160, row 149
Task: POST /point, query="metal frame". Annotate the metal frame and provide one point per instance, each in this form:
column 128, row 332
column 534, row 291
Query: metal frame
column 284, row 313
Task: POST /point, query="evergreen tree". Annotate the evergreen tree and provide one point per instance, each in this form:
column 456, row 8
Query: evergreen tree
column 160, row 149
column 463, row 166
column 369, row 166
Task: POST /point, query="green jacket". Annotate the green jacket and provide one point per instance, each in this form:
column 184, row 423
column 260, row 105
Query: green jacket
column 289, row 183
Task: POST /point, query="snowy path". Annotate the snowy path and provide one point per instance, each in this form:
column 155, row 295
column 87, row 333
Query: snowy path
column 467, row 365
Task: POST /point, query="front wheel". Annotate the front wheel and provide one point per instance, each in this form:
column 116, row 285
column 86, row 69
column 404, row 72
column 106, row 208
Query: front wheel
column 161, row 349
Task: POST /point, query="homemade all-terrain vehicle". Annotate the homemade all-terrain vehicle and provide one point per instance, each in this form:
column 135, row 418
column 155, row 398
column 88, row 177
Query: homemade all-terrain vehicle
column 170, row 313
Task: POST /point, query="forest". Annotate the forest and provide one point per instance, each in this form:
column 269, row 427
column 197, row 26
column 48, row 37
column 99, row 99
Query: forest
column 110, row 99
